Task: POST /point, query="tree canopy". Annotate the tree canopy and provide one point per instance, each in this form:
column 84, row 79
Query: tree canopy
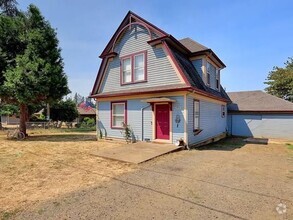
column 31, row 66
column 9, row 109
column 280, row 81
column 64, row 111
column 8, row 7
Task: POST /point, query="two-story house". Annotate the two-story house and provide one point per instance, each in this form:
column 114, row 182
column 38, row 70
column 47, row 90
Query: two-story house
column 163, row 88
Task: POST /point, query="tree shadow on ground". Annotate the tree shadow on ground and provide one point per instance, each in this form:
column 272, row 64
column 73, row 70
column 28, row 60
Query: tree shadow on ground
column 227, row 144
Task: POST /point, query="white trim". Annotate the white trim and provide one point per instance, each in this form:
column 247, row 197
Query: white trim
column 185, row 114
column 143, row 67
column 119, row 115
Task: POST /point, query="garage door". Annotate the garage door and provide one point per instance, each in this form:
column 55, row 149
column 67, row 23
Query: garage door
column 267, row 126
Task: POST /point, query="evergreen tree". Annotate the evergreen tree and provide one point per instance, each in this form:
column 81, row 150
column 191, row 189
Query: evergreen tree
column 34, row 73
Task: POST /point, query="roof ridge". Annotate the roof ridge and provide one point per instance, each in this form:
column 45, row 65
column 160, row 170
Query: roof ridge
column 247, row 91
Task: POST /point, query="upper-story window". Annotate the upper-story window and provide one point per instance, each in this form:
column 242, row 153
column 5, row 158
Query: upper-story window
column 218, row 80
column 133, row 68
column 209, row 70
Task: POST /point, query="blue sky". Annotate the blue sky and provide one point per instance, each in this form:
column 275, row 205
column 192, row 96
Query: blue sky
column 250, row 37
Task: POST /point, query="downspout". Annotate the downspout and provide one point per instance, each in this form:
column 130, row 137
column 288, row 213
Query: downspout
column 142, row 119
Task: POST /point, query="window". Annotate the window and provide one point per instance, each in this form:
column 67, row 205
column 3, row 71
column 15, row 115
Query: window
column 133, row 68
column 209, row 73
column 118, row 114
column 139, row 67
column 126, row 70
column 223, row 111
column 195, row 115
column 218, row 79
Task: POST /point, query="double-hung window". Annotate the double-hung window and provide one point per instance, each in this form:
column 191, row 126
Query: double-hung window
column 126, row 73
column 139, row 68
column 209, row 66
column 133, row 68
column 218, row 80
column 196, row 113
column 118, row 114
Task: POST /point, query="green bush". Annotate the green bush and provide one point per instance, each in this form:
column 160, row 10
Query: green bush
column 88, row 123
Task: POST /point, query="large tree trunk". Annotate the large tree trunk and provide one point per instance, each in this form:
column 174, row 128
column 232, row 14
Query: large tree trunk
column 23, row 118
column 1, row 123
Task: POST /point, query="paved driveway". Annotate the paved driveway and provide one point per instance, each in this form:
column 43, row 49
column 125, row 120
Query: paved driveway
column 224, row 181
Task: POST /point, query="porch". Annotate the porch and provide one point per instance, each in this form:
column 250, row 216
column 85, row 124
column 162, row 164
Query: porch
column 138, row 152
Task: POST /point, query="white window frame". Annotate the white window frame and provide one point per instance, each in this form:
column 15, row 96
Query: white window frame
column 208, row 73
column 223, row 111
column 218, row 85
column 135, row 68
column 132, row 58
column 196, row 115
column 123, row 72
column 119, row 115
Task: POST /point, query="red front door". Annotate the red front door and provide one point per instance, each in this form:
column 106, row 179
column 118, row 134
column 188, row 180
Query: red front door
column 162, row 121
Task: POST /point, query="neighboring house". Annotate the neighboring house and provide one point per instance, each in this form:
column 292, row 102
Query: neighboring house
column 85, row 112
column 163, row 88
column 9, row 120
column 258, row 114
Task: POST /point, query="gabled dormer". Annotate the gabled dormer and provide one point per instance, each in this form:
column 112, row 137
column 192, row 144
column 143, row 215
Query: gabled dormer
column 206, row 62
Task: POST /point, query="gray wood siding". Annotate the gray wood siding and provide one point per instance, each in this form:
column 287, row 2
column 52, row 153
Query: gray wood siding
column 134, row 119
column 198, row 66
column 178, row 111
column 262, row 126
column 104, row 120
column 159, row 69
column 211, row 121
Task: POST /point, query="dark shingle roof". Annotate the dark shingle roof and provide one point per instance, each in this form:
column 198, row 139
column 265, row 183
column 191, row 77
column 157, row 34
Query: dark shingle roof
column 193, row 77
column 192, row 45
column 257, row 101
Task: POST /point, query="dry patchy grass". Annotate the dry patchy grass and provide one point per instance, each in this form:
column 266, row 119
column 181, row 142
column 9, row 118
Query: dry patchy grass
column 48, row 165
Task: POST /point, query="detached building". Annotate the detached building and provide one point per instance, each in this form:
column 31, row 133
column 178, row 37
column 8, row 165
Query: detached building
column 258, row 114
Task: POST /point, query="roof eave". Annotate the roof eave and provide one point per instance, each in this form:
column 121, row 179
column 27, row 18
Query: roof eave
column 207, row 94
column 261, row 111
column 101, row 95
column 208, row 52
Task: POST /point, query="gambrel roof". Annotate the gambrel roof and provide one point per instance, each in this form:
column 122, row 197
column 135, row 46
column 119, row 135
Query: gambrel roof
column 192, row 45
column 179, row 52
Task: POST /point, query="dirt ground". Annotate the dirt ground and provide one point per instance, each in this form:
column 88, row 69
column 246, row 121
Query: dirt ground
column 53, row 176
column 45, row 167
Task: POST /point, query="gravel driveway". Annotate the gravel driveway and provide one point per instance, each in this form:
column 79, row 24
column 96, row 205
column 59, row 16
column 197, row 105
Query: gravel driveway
column 227, row 180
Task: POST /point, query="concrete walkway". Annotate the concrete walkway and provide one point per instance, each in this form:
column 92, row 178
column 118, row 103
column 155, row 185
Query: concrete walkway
column 135, row 153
